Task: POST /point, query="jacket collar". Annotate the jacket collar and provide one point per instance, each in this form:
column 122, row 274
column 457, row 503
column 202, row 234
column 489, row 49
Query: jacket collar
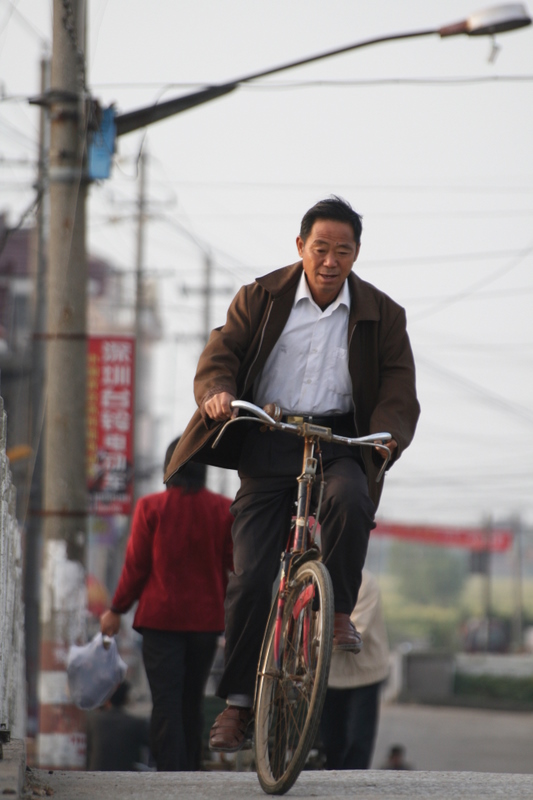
column 363, row 294
column 282, row 280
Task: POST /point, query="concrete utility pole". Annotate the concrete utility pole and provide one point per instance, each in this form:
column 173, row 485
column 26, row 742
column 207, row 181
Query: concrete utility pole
column 33, row 529
column 141, row 367
column 63, row 596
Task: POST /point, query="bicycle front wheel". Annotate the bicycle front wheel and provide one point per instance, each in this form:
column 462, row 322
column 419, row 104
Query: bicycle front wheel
column 291, row 691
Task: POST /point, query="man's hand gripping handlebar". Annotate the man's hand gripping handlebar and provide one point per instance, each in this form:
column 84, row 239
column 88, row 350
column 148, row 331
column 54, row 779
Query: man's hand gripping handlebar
column 261, row 415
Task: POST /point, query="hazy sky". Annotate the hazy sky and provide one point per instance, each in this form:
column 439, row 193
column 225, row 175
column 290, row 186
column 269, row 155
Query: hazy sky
column 427, row 138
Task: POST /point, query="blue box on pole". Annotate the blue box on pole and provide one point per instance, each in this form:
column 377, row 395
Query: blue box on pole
column 102, row 146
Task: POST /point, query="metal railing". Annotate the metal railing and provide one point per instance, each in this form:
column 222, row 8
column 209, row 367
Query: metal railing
column 12, row 664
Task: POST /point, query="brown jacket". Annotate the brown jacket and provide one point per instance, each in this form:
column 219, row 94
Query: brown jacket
column 380, row 362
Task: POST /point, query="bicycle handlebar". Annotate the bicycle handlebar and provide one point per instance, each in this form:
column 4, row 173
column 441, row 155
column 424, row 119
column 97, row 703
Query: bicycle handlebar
column 308, row 429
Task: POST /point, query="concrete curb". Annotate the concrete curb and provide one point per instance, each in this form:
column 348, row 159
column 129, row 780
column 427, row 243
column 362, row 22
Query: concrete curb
column 13, row 769
column 361, row 784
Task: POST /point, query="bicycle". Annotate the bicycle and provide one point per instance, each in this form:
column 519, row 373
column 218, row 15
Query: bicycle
column 293, row 667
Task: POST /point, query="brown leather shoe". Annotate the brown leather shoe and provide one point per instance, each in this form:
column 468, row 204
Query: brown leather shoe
column 232, row 730
column 345, row 636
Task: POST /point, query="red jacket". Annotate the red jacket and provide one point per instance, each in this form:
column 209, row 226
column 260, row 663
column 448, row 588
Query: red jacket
column 177, row 561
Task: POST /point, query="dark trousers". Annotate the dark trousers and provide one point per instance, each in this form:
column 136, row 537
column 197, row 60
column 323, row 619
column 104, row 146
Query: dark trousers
column 262, row 509
column 348, row 726
column 177, row 666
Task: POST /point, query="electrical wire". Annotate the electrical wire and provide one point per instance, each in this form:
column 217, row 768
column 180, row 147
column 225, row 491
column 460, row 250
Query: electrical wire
column 30, row 210
column 14, row 11
column 473, row 288
column 487, row 396
column 435, row 188
column 274, row 85
column 518, row 291
column 18, row 134
column 347, row 83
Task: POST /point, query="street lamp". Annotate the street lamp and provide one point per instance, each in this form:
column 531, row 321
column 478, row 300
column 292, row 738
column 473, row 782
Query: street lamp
column 498, row 19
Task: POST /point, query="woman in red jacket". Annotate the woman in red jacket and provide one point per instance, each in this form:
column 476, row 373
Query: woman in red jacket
column 177, row 561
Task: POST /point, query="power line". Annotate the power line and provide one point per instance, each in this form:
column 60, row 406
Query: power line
column 474, row 287
column 517, row 291
column 487, row 396
column 13, row 98
column 15, row 186
column 395, row 215
column 339, row 83
column 348, row 83
column 18, row 162
column 203, row 245
column 31, row 208
column 25, row 22
column 17, row 133
column 435, row 188
column 450, row 258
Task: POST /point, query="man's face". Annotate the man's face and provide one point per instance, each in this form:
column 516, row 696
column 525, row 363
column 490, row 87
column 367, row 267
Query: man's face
column 328, row 255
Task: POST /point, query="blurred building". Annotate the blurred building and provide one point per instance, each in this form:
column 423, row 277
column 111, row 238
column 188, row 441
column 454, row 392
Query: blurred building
column 111, row 309
column 16, row 287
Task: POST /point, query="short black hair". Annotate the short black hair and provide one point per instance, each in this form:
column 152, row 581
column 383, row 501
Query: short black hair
column 397, row 750
column 332, row 208
column 191, row 477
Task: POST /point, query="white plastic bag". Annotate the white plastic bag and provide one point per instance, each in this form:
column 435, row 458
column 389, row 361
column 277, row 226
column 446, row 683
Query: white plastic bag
column 94, row 671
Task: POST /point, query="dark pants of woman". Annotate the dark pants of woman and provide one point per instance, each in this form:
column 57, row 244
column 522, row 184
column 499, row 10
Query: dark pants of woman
column 177, row 666
column 348, row 726
column 262, row 509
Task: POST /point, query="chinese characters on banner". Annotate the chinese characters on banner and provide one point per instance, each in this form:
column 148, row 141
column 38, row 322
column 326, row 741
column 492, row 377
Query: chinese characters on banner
column 110, row 393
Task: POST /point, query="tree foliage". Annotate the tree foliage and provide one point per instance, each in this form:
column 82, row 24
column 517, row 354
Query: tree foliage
column 426, row 574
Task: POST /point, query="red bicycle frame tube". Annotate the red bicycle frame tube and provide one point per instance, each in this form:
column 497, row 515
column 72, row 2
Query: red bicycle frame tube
column 299, row 543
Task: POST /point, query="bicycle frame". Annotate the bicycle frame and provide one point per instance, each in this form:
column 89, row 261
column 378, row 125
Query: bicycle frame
column 302, row 544
column 295, row 655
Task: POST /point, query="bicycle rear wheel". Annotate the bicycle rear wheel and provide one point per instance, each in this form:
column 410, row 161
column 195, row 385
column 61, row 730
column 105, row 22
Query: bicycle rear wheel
column 290, row 693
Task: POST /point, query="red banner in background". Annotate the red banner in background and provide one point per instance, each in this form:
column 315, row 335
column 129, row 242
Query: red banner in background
column 110, row 420
column 477, row 539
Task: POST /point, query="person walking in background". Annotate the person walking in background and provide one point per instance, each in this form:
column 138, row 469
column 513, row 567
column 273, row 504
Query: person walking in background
column 116, row 740
column 178, row 558
column 396, row 758
column 349, row 722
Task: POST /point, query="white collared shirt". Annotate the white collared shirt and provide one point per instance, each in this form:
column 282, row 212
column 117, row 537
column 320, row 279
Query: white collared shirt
column 307, row 370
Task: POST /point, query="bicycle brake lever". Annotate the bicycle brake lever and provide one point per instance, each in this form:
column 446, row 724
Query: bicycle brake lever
column 385, row 463
column 240, row 419
column 222, row 430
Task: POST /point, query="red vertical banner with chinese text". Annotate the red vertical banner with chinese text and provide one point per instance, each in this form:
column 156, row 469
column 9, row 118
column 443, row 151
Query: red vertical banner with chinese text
column 110, row 424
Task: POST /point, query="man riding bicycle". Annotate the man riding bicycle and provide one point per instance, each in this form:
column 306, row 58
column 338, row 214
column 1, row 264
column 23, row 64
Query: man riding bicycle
column 326, row 346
